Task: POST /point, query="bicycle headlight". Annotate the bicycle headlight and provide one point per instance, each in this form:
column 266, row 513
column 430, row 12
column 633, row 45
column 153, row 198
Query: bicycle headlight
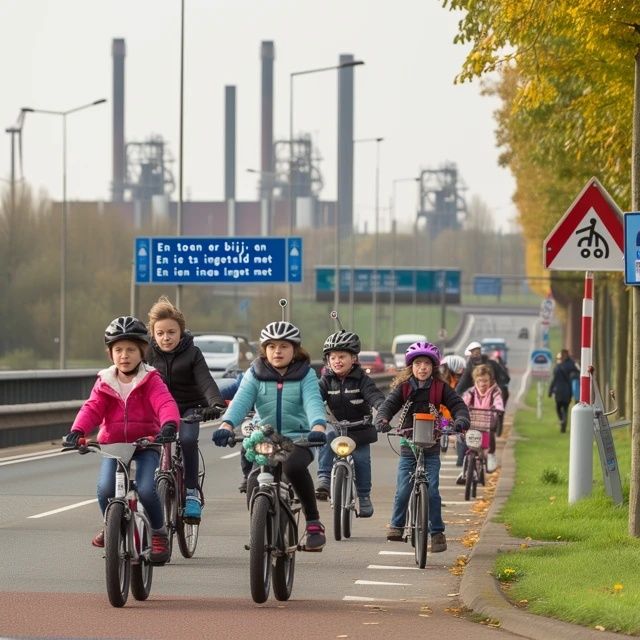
column 264, row 447
column 343, row 446
column 247, row 428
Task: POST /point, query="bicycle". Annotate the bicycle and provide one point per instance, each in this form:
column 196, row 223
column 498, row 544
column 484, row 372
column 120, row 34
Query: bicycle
column 172, row 491
column 477, row 442
column 274, row 512
column 417, row 518
column 127, row 530
column 343, row 477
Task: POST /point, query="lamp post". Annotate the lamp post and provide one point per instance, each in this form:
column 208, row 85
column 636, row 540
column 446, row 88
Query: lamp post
column 180, row 143
column 63, row 227
column 394, row 225
column 374, row 275
column 292, row 200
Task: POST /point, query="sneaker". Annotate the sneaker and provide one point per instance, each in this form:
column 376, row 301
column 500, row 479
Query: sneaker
column 438, row 542
column 98, row 539
column 322, row 492
column 365, row 509
column 192, row 507
column 315, row 538
column 492, row 463
column 395, row 534
column 242, row 487
column 460, row 478
column 159, row 548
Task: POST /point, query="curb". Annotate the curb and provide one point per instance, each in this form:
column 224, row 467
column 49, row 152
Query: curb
column 480, row 591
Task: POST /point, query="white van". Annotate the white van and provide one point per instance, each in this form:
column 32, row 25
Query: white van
column 401, row 343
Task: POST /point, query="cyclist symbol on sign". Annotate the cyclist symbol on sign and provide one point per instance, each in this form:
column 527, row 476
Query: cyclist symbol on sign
column 592, row 241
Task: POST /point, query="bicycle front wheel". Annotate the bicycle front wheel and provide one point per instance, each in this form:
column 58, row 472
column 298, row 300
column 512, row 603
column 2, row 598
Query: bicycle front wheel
column 260, row 546
column 116, row 555
column 339, row 484
column 470, row 480
column 284, row 566
column 421, row 525
column 142, row 571
column 166, row 490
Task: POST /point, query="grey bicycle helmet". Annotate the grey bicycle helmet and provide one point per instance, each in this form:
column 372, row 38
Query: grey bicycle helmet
column 426, row 349
column 456, row 364
column 342, row 341
column 125, row 328
column 280, row 330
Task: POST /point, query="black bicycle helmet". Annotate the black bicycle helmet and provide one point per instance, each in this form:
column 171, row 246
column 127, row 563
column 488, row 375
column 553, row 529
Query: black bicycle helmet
column 342, row 341
column 125, row 328
column 281, row 330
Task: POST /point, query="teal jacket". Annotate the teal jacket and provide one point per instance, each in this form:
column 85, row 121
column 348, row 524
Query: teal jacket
column 290, row 403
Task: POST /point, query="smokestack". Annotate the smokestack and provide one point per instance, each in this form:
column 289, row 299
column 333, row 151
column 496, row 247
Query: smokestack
column 267, row 55
column 229, row 142
column 118, row 52
column 344, row 209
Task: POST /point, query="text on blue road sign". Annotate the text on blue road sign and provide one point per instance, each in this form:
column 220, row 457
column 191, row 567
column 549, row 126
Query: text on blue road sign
column 209, row 260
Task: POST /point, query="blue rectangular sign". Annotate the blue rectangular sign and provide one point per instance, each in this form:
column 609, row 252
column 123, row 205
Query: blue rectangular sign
column 632, row 248
column 209, row 260
column 487, row 285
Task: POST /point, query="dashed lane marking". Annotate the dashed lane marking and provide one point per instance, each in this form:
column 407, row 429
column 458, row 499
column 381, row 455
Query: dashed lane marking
column 395, row 553
column 368, row 599
column 387, row 567
column 67, row 508
column 383, row 584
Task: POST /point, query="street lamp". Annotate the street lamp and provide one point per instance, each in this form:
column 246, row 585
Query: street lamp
column 394, row 226
column 64, row 216
column 374, row 275
column 292, row 212
column 180, row 143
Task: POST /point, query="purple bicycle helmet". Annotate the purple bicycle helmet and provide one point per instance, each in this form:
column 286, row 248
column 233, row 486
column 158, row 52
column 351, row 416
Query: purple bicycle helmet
column 426, row 349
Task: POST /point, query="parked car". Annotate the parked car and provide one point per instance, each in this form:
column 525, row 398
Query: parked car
column 491, row 345
column 222, row 351
column 371, row 361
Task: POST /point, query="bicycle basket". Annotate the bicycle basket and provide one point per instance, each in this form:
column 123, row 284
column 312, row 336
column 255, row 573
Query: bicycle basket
column 423, row 429
column 482, row 419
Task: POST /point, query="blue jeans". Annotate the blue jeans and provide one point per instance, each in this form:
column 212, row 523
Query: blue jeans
column 361, row 462
column 404, row 484
column 146, row 464
column 189, row 433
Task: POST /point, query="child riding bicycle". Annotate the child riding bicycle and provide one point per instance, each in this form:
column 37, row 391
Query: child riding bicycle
column 185, row 372
column 419, row 389
column 350, row 395
column 284, row 390
column 129, row 401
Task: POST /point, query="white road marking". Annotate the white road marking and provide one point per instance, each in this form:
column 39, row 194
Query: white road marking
column 29, row 457
column 469, row 502
column 395, row 553
column 367, row 599
column 386, row 567
column 67, row 508
column 383, row 584
column 230, row 455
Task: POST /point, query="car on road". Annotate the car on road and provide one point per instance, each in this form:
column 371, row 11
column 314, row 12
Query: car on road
column 401, row 343
column 371, row 361
column 389, row 361
column 492, row 345
column 222, row 351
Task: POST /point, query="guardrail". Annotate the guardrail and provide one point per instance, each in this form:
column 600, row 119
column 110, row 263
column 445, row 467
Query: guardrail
column 28, row 423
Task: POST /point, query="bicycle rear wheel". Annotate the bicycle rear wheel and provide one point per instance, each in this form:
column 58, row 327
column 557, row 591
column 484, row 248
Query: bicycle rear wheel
column 166, row 490
column 421, row 525
column 284, row 565
column 260, row 546
column 116, row 555
column 142, row 571
column 339, row 484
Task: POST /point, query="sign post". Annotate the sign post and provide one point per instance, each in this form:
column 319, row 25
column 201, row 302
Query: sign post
column 540, row 363
column 589, row 237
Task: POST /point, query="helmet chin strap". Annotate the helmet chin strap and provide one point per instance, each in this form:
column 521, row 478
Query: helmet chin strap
column 133, row 371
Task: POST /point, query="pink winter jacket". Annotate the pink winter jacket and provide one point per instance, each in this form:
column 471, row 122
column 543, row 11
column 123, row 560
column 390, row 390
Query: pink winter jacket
column 148, row 407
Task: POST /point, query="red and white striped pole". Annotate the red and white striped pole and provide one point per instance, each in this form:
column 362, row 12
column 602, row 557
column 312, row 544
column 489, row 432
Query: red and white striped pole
column 586, row 351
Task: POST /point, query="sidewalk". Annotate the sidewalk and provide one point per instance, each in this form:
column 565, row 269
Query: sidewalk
column 480, row 591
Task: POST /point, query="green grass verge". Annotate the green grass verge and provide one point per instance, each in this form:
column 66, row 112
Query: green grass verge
column 588, row 574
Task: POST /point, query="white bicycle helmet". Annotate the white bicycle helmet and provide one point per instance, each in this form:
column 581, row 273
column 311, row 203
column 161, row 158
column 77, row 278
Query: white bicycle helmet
column 280, row 330
column 455, row 364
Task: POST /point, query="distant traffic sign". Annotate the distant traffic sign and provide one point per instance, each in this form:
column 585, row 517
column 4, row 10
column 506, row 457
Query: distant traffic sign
column 541, row 360
column 487, row 285
column 209, row 260
column 589, row 236
column 632, row 248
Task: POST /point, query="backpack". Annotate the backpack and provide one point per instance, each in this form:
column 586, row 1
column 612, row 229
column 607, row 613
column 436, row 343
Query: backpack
column 436, row 392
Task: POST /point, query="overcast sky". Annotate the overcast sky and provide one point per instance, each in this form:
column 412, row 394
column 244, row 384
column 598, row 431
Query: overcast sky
column 56, row 54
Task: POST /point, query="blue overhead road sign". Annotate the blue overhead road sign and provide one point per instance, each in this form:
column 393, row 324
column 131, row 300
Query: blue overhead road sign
column 208, row 260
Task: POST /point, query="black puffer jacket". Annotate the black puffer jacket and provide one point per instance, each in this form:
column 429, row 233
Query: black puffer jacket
column 352, row 398
column 185, row 372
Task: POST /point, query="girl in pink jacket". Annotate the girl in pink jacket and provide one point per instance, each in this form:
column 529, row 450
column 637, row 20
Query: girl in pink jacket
column 129, row 401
